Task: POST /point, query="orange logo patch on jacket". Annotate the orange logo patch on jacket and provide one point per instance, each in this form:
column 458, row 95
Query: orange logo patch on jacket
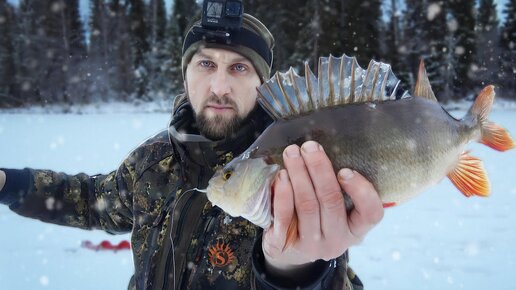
column 220, row 255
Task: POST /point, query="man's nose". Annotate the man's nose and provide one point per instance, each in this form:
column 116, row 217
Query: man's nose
column 220, row 83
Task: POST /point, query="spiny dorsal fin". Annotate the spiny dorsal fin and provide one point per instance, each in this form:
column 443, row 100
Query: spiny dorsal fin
column 339, row 81
column 423, row 87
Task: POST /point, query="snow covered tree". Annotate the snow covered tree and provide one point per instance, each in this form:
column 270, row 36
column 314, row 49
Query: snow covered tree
column 435, row 52
column 123, row 55
column 329, row 36
column 54, row 80
column 8, row 84
column 157, row 83
column 139, row 45
column 75, row 52
column 31, row 50
column 157, row 21
column 392, row 35
column 51, row 46
column 428, row 35
column 110, row 52
column 394, row 46
column 448, row 72
column 284, row 19
column 487, row 50
column 414, row 44
column 464, row 13
column 184, row 12
column 100, row 60
column 361, row 30
column 306, row 43
column 508, row 54
column 137, row 30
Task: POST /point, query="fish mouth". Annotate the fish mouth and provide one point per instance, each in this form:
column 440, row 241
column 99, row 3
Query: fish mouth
column 213, row 184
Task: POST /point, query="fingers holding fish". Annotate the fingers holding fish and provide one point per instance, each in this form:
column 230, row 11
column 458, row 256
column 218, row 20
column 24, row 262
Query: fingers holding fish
column 305, row 199
column 368, row 209
column 327, row 190
column 283, row 212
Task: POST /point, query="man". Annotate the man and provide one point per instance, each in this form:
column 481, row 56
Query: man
column 179, row 240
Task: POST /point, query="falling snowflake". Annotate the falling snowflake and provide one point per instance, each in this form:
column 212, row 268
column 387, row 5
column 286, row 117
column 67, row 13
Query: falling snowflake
column 50, row 203
column 396, row 256
column 43, row 280
column 471, row 250
column 433, row 10
column 459, row 50
column 453, row 25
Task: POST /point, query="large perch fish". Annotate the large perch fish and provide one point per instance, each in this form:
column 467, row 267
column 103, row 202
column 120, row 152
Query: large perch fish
column 364, row 121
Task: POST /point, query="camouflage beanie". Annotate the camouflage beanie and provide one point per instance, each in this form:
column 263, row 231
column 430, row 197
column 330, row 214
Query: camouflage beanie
column 254, row 41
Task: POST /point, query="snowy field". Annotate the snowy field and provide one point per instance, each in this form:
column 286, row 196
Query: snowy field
column 439, row 240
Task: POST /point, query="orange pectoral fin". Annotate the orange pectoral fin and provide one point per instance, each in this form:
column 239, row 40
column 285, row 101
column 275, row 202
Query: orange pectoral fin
column 496, row 137
column 470, row 176
column 388, row 204
column 291, row 232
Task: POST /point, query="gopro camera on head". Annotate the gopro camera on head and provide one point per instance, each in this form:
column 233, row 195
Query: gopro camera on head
column 222, row 15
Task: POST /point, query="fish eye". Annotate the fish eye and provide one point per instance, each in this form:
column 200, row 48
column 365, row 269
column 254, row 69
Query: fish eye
column 227, row 174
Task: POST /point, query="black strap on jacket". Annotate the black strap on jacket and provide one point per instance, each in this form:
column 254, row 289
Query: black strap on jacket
column 320, row 277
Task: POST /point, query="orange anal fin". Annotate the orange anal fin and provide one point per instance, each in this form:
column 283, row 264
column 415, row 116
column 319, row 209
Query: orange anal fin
column 291, row 233
column 496, row 137
column 469, row 176
column 388, row 204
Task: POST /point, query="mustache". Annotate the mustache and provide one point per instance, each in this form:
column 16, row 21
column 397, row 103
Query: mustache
column 223, row 100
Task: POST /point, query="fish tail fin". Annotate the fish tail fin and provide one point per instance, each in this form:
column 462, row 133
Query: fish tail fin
column 291, row 233
column 469, row 176
column 496, row 137
column 492, row 134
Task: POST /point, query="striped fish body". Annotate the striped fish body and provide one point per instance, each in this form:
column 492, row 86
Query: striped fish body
column 402, row 144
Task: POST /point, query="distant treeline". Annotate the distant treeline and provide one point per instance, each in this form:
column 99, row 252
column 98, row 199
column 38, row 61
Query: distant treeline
column 131, row 50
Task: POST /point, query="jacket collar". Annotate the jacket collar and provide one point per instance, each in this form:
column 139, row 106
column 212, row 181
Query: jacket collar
column 194, row 147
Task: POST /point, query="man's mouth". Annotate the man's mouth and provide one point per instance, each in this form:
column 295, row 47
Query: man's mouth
column 219, row 108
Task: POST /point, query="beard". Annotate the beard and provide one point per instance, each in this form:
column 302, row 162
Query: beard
column 219, row 126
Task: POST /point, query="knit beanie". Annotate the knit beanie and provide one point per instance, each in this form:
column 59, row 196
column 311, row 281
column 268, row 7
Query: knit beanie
column 253, row 41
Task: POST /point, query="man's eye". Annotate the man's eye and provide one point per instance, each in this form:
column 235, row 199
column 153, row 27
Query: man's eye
column 205, row 63
column 240, row 67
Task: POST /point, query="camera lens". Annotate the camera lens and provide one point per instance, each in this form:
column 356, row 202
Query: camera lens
column 233, row 9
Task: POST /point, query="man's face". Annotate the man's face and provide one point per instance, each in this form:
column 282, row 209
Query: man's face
column 221, row 86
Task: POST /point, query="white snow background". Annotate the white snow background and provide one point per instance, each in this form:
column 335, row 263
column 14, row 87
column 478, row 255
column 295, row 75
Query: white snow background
column 439, row 240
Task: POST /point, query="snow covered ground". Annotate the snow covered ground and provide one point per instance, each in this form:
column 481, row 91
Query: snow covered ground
column 439, row 240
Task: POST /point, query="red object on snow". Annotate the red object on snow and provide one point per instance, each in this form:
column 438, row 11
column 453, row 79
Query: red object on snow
column 106, row 245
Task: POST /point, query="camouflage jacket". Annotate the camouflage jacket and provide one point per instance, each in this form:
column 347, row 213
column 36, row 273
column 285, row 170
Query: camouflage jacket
column 179, row 240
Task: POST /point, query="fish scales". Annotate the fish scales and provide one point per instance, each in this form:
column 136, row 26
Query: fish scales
column 386, row 142
column 366, row 122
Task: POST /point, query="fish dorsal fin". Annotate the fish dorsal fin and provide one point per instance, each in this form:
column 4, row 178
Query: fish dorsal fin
column 423, row 87
column 339, row 81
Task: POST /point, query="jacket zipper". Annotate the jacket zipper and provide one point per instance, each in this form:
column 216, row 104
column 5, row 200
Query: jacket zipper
column 179, row 227
column 157, row 221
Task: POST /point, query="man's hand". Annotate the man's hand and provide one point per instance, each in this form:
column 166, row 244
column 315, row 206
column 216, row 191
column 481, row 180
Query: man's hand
column 2, row 179
column 309, row 189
